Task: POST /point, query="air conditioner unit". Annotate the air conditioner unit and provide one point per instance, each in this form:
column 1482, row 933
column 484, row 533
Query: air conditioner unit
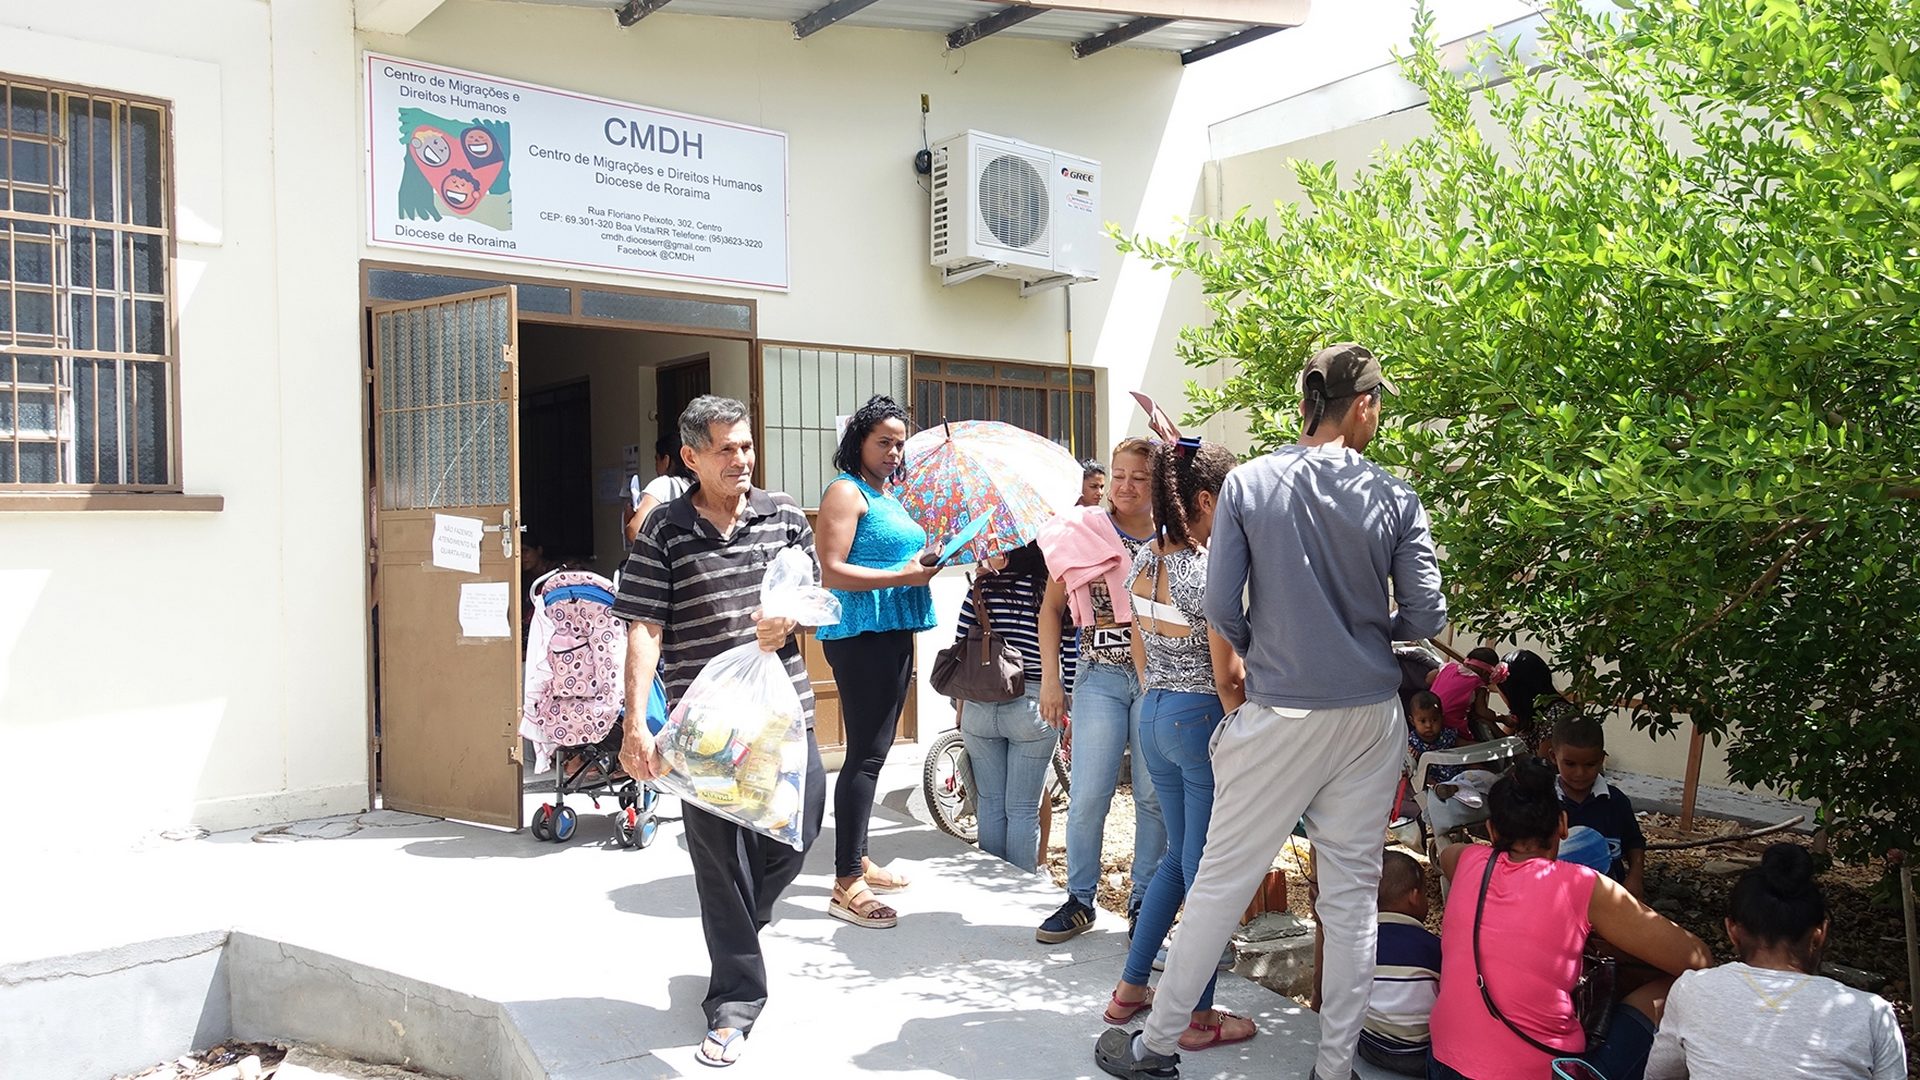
column 1005, row 208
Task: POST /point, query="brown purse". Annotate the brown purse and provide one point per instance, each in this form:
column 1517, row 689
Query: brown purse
column 981, row 667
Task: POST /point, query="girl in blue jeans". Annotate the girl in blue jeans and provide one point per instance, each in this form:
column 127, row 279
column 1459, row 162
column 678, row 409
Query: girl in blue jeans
column 1009, row 746
column 1192, row 678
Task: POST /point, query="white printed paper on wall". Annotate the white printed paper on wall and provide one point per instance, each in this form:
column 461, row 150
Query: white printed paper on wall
column 483, row 609
column 456, row 543
column 469, row 163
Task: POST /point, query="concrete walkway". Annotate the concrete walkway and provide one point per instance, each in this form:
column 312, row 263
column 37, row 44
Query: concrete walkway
column 596, row 951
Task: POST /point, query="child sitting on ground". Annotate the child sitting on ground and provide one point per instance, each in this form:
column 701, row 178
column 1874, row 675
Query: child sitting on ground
column 1462, row 687
column 1579, row 750
column 1406, row 978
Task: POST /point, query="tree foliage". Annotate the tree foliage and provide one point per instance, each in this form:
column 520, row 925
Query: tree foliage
column 1654, row 311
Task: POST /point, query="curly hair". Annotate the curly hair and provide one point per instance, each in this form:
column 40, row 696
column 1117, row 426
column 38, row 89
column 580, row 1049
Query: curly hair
column 879, row 407
column 1181, row 471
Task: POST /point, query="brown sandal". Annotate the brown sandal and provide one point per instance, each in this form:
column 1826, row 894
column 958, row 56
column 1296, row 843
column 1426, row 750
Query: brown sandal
column 847, row 907
column 882, row 879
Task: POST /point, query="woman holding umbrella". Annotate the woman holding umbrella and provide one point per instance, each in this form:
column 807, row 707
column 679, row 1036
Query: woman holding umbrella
column 870, row 556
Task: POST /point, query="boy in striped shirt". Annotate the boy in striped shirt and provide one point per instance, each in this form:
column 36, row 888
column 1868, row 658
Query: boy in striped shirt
column 1406, row 977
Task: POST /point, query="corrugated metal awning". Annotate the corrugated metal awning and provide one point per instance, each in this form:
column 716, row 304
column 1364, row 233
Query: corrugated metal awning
column 1195, row 29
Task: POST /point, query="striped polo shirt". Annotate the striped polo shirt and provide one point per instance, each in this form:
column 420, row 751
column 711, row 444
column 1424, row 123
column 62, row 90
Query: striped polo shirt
column 1013, row 607
column 1406, row 982
column 701, row 588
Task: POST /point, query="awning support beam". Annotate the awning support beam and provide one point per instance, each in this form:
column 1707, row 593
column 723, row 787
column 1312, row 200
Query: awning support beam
column 1215, row 48
column 812, row 23
column 992, row 24
column 1119, row 35
column 634, row 10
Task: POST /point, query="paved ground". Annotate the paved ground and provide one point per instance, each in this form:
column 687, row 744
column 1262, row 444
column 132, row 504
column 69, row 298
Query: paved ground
column 598, row 951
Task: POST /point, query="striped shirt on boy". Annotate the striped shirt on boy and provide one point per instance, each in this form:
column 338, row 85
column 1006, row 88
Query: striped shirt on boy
column 701, row 588
column 1406, row 982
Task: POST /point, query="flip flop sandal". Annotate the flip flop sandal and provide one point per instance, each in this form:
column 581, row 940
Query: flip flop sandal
column 888, row 882
column 727, row 1055
column 1122, row 1012
column 844, row 907
column 1214, row 1034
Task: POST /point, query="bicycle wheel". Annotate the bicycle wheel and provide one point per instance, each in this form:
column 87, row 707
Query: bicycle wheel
column 947, row 782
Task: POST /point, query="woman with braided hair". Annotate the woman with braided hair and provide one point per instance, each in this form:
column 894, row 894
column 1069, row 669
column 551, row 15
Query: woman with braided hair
column 1192, row 679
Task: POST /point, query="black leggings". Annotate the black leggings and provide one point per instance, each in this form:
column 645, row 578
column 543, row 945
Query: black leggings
column 872, row 671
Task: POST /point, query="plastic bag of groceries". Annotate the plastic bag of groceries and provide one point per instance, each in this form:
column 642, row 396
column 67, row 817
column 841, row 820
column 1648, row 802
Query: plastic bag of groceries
column 736, row 743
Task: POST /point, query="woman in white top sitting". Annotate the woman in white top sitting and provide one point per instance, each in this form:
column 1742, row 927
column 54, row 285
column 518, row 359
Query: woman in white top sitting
column 1768, row 1014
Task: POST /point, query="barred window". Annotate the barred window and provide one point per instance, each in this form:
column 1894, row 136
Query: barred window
column 88, row 361
column 803, row 393
column 1032, row 396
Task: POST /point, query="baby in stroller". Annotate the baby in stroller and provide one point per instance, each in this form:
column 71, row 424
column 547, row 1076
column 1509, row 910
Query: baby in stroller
column 574, row 700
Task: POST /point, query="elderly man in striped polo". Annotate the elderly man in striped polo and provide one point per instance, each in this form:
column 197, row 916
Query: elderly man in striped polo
column 689, row 593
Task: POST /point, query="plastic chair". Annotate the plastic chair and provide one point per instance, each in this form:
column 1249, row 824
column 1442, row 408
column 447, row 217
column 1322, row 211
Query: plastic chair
column 1496, row 754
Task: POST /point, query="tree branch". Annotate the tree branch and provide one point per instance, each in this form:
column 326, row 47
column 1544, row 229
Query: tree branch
column 1760, row 584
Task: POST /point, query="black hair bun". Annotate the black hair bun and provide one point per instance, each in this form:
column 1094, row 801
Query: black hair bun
column 1787, row 869
column 1533, row 783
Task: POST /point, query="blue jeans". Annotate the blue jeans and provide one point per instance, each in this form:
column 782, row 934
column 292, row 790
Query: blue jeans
column 1010, row 749
column 1175, row 728
column 1106, row 718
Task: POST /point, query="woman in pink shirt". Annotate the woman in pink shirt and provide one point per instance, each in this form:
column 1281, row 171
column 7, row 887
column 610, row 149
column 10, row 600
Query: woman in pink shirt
column 1538, row 913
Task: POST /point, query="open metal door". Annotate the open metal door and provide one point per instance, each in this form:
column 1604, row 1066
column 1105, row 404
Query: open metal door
column 446, row 421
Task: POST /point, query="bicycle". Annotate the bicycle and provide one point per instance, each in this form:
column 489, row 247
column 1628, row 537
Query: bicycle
column 946, row 780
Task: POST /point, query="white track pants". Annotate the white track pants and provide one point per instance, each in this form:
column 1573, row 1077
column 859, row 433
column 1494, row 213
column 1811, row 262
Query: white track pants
column 1336, row 769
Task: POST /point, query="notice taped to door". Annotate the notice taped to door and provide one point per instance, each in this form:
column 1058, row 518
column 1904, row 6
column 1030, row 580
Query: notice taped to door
column 470, row 163
column 483, row 609
column 456, row 543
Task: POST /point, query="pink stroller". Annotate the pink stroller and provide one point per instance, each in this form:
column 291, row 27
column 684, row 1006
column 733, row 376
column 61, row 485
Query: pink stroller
column 572, row 708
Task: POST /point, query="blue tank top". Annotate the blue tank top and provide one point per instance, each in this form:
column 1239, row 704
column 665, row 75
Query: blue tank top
column 886, row 538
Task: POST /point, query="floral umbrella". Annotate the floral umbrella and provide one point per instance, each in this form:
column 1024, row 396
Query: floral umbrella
column 959, row 471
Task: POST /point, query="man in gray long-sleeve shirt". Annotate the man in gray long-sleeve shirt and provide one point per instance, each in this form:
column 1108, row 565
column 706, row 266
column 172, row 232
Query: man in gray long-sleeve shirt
column 1321, row 544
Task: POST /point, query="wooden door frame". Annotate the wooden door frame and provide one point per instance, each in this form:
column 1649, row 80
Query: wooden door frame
column 487, row 279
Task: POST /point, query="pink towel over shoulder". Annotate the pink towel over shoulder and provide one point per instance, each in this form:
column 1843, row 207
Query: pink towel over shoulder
column 1081, row 547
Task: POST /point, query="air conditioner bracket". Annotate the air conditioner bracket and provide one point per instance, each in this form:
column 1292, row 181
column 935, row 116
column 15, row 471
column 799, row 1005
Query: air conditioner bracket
column 1052, row 281
column 954, row 275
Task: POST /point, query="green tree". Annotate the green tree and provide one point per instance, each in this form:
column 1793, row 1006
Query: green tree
column 1654, row 310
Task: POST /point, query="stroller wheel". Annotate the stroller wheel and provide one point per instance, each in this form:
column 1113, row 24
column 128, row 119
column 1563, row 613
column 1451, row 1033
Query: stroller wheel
column 563, row 823
column 649, row 829
column 542, row 826
column 629, row 795
column 623, row 825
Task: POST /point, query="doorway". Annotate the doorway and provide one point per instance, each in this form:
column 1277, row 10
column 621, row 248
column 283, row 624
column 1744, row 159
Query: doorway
column 676, row 385
column 556, row 468
column 513, row 421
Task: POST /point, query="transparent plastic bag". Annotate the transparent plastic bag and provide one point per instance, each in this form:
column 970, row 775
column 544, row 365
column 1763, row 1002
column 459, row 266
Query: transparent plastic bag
column 736, row 743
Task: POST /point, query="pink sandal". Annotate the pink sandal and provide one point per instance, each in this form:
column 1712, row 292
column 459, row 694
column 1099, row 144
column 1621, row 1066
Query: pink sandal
column 1121, row 1012
column 1215, row 1034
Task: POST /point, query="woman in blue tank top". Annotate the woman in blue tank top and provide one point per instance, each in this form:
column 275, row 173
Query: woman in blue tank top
column 870, row 556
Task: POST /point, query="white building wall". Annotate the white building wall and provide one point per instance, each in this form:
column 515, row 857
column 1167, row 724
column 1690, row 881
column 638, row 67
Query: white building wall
column 157, row 668
column 214, row 664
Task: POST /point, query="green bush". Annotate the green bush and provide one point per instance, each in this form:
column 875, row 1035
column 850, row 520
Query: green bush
column 1654, row 312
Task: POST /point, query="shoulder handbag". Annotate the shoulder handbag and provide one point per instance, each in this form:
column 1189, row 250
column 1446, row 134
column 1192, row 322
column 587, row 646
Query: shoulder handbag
column 1592, row 994
column 981, row 667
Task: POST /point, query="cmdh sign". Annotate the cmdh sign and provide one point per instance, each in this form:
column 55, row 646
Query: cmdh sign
column 468, row 163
